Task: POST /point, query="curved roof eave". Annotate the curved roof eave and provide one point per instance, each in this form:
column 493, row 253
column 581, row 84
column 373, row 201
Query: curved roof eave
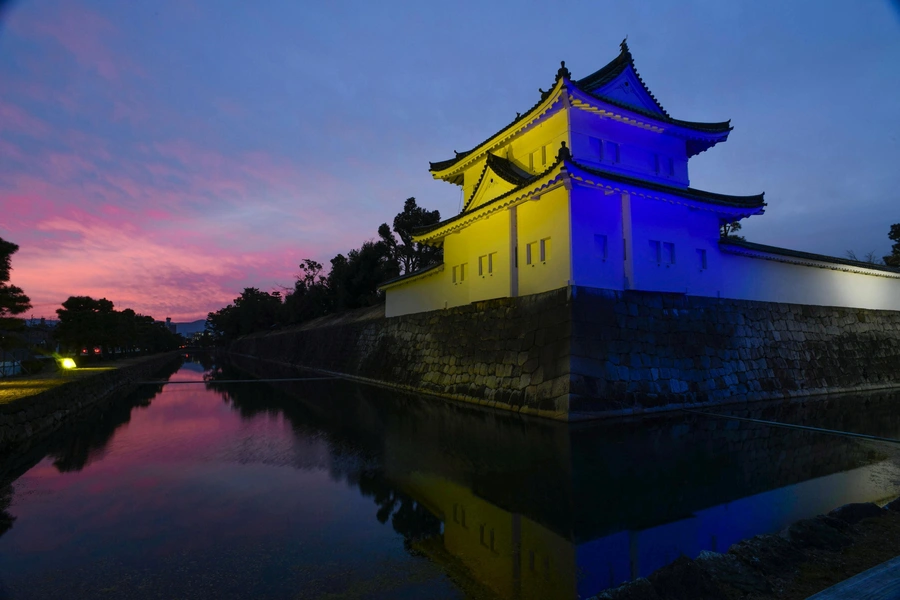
column 755, row 203
column 442, row 169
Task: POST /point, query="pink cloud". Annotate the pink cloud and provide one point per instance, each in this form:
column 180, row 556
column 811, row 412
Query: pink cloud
column 83, row 34
column 16, row 120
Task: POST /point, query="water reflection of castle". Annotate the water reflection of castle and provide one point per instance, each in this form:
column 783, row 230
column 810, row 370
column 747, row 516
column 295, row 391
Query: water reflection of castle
column 548, row 510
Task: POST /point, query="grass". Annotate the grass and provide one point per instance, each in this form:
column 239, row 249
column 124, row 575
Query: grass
column 18, row 387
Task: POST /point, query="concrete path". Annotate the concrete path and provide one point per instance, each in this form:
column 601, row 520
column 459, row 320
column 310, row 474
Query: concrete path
column 878, row 583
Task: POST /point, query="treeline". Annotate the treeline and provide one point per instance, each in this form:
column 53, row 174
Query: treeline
column 351, row 282
column 95, row 325
column 84, row 323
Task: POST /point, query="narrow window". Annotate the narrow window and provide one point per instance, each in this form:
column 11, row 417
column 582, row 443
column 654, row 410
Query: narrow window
column 613, row 152
column 600, row 246
column 455, row 275
column 543, row 155
column 531, row 253
column 701, row 259
column 492, row 539
column 671, row 162
column 655, row 252
column 491, row 259
column 545, row 250
column 597, row 148
column 669, row 253
column 482, row 265
column 481, row 535
column 462, row 272
column 624, row 249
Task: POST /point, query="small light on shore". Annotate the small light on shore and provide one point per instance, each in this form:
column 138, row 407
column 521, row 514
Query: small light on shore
column 68, row 363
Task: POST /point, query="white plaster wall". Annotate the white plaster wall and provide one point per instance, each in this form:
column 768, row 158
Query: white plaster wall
column 636, row 148
column 416, row 296
column 483, row 237
column 688, row 230
column 750, row 278
column 596, row 214
column 546, row 217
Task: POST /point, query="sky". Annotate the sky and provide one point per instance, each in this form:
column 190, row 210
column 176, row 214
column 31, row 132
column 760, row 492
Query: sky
column 167, row 154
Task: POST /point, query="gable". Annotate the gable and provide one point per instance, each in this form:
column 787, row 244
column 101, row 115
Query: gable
column 626, row 89
column 489, row 187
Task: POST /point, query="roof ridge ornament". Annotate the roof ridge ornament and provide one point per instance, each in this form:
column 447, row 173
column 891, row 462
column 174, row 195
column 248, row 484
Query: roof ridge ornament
column 563, row 72
column 564, row 153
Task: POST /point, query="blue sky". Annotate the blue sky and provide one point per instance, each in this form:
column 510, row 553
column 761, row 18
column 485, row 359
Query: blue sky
column 167, row 154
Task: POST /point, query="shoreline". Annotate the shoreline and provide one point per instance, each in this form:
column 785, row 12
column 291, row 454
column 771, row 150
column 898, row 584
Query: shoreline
column 808, row 557
column 29, row 419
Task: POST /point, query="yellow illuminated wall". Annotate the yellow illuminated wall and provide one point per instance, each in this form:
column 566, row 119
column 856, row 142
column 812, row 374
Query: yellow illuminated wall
column 533, row 151
column 512, row 555
column 544, row 220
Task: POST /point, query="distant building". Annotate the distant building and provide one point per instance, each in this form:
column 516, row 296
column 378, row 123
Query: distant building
column 590, row 187
column 170, row 325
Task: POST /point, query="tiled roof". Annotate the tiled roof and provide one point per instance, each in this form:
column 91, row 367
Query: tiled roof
column 565, row 156
column 604, row 75
column 428, row 228
column 588, row 85
column 504, row 169
column 807, row 255
column 443, row 164
column 411, row 275
column 598, row 79
column 756, row 201
column 508, row 170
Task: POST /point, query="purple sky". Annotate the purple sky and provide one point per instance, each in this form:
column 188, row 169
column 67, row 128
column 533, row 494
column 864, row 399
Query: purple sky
column 167, row 154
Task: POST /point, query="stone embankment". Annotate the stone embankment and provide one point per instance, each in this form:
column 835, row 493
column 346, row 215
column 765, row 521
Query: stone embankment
column 803, row 559
column 577, row 353
column 30, row 419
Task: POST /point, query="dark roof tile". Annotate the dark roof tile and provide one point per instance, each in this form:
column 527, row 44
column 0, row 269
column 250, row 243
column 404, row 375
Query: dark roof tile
column 806, row 255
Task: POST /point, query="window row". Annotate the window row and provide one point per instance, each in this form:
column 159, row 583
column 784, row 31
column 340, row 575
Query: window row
column 538, row 251
column 663, row 253
column 610, row 152
column 486, row 264
column 459, row 273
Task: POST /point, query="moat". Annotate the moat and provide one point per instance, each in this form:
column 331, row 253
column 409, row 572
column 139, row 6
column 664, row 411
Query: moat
column 326, row 488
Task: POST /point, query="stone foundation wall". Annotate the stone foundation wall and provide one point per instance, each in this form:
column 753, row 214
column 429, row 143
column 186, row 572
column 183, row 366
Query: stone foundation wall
column 28, row 420
column 578, row 352
column 511, row 353
column 634, row 351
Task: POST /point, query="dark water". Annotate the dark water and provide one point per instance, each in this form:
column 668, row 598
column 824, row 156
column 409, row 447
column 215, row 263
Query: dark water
column 326, row 489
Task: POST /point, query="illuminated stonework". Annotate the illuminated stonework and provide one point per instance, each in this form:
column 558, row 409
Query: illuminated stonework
column 590, row 187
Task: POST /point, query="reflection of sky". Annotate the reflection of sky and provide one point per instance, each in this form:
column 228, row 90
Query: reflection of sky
column 167, row 154
column 189, row 477
column 230, row 502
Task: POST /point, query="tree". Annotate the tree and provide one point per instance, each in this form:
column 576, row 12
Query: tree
column 893, row 259
column 13, row 300
column 252, row 311
column 869, row 257
column 311, row 296
column 85, row 323
column 729, row 231
column 354, row 278
column 409, row 255
column 88, row 323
